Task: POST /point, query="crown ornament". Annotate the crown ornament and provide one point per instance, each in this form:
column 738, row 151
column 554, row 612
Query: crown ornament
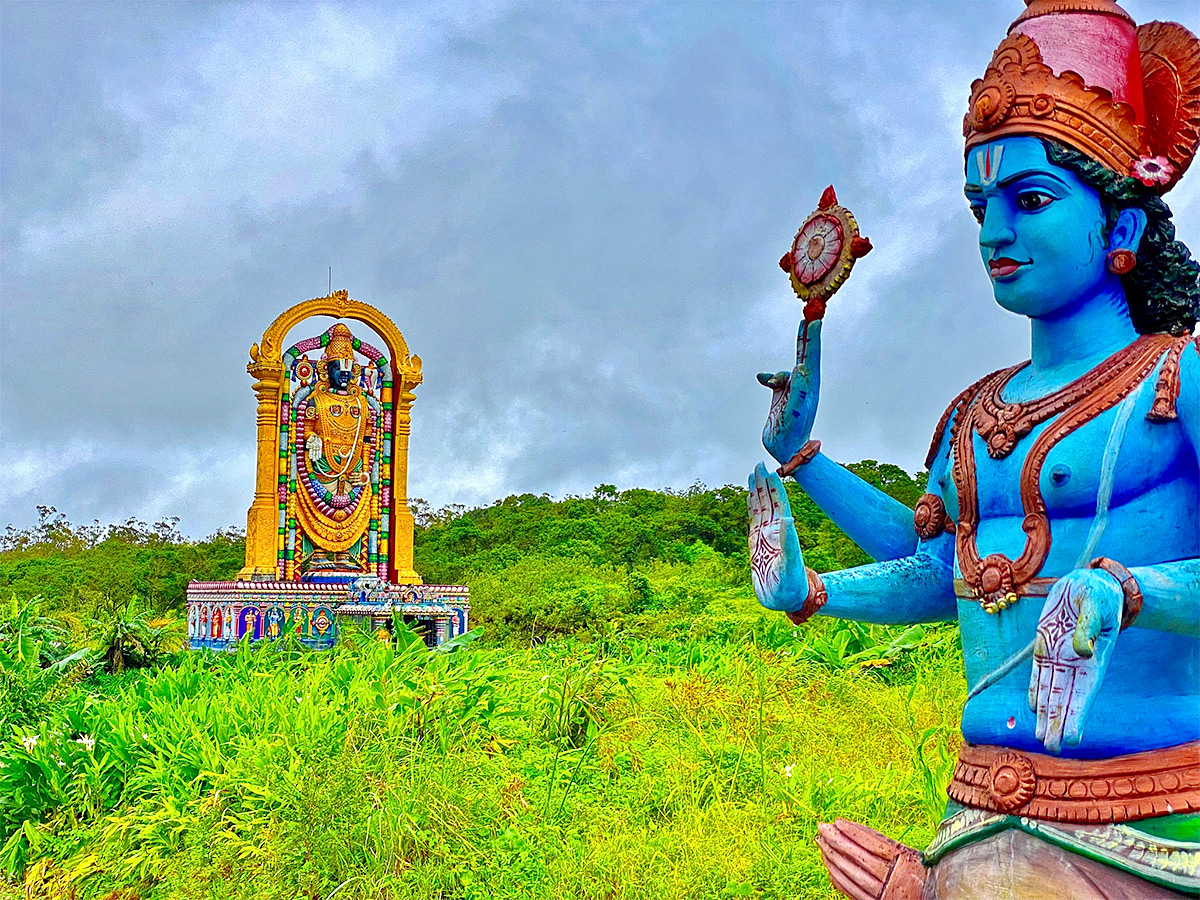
column 1080, row 72
column 341, row 343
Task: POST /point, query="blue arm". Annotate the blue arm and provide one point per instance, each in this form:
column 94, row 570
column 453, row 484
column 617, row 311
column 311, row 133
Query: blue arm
column 880, row 524
column 883, row 527
column 915, row 588
column 1171, row 591
column 1171, row 595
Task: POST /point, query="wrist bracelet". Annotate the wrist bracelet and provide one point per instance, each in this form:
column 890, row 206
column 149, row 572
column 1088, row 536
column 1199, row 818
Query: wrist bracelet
column 1129, row 587
column 817, row 596
column 802, row 458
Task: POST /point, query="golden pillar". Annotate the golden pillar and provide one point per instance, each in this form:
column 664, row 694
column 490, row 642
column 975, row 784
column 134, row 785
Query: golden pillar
column 266, row 365
column 263, row 517
column 402, row 518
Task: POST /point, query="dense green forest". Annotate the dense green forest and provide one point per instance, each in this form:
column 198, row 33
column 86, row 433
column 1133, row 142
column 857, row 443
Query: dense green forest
column 536, row 566
column 625, row 720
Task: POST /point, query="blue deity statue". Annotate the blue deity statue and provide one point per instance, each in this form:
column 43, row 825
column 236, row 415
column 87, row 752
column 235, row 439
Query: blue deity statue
column 1062, row 524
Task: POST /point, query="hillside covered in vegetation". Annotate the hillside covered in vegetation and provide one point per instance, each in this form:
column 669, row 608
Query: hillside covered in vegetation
column 536, row 566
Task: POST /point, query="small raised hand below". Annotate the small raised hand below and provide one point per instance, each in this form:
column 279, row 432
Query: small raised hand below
column 1075, row 637
column 776, row 561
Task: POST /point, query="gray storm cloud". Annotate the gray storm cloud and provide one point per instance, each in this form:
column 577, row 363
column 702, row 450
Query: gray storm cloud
column 573, row 213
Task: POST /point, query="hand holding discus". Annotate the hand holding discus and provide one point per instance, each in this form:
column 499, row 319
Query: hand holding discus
column 818, row 263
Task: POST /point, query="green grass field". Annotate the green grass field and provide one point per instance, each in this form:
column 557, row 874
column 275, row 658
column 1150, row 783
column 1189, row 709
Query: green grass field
column 670, row 768
column 627, row 727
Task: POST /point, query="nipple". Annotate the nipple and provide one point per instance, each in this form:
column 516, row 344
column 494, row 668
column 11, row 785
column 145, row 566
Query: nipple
column 1060, row 475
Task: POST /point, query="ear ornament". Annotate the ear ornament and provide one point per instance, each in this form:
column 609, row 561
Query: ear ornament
column 1121, row 262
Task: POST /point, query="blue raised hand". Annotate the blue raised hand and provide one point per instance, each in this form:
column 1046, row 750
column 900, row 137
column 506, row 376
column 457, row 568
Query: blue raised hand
column 794, row 397
column 776, row 561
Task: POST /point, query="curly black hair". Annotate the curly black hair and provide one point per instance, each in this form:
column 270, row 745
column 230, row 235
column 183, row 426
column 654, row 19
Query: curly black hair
column 1163, row 290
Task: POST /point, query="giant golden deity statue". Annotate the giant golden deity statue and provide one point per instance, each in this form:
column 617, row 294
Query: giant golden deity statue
column 334, row 461
column 329, row 534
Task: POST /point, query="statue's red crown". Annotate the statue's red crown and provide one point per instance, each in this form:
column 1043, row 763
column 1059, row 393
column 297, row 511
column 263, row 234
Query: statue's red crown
column 1081, row 72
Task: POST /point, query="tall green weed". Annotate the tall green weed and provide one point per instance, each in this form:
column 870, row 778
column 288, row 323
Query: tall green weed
column 596, row 768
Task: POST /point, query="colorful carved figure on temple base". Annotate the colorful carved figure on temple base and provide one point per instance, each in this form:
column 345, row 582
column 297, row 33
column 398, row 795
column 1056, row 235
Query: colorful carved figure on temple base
column 301, row 622
column 1062, row 527
column 273, row 623
column 249, row 623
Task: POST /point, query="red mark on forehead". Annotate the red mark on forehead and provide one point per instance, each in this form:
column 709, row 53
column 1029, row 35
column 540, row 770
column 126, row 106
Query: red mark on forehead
column 988, row 160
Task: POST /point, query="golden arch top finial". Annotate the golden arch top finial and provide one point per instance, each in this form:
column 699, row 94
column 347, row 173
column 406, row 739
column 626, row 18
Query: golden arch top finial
column 341, row 306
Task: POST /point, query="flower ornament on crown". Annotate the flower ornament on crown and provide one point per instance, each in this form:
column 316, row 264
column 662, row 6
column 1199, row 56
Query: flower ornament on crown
column 1080, row 72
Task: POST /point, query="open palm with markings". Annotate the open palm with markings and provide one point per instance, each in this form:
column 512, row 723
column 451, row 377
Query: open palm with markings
column 776, row 561
column 1076, row 633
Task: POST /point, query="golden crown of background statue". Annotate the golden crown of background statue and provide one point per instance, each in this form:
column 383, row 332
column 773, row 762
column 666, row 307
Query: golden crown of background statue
column 341, row 343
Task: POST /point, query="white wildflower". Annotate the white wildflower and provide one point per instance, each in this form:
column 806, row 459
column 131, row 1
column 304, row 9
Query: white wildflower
column 29, row 742
column 787, row 771
column 87, row 742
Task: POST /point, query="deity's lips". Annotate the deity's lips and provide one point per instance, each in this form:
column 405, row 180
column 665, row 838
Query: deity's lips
column 1002, row 266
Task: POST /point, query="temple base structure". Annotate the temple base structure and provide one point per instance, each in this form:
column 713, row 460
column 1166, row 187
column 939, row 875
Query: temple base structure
column 222, row 613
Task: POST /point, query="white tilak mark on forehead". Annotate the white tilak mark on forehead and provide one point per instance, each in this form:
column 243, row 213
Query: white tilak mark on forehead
column 988, row 162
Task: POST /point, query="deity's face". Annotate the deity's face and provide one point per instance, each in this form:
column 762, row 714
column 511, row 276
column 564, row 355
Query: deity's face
column 340, row 373
column 1042, row 229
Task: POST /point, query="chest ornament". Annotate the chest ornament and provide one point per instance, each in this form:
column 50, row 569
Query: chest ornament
column 995, row 581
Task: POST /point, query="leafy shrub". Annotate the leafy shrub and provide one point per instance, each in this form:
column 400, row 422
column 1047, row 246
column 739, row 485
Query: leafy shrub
column 36, row 664
column 87, row 568
column 133, row 637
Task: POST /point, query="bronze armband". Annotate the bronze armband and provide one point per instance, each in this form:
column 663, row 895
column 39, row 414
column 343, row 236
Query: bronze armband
column 1129, row 587
column 817, row 597
column 802, row 458
column 930, row 518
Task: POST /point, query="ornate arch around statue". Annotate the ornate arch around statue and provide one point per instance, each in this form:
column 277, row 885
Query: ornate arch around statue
column 268, row 368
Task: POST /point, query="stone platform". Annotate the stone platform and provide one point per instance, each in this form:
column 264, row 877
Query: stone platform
column 221, row 613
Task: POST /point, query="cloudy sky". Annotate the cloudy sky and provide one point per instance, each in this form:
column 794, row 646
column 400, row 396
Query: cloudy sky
column 573, row 212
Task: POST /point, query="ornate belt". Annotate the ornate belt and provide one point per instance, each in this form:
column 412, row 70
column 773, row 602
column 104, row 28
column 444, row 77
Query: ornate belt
column 1121, row 789
column 1035, row 587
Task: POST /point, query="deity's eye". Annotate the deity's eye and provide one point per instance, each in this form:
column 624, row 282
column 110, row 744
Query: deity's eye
column 1028, row 201
column 977, row 212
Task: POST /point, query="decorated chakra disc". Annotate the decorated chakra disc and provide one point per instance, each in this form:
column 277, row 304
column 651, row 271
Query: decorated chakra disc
column 823, row 254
